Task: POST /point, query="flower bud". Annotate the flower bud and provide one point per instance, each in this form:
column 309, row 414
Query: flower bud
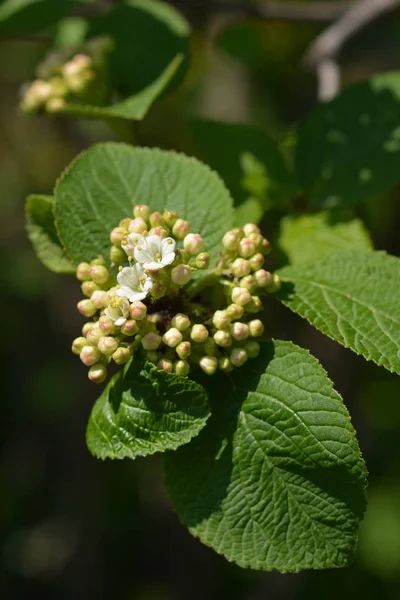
column 117, row 235
column 182, row 368
column 117, row 255
column 193, row 243
column 181, row 322
column 240, row 267
column 256, row 261
column 252, row 348
column 87, row 308
column 250, row 228
column 241, row 296
column 87, row 326
column 224, row 364
column 246, row 248
column 181, row 274
column 122, row 355
column 256, row 328
column 90, row 355
column 202, row 261
column 129, row 327
column 152, row 356
column 89, row 287
column 230, row 241
column 209, row 364
column 137, row 225
column 99, row 299
column 106, row 325
column 124, row 223
column 172, row 337
column 183, row 349
column 82, row 272
column 138, row 310
column 180, row 229
column 165, row 365
column 156, row 219
column 255, row 305
column 99, row 261
column 221, row 319
column 234, row 311
column 78, row 344
column 141, row 211
column 223, row 338
column 210, row 347
column 160, row 231
column 94, row 334
column 238, row 357
column 151, row 341
column 263, row 278
column 99, row 274
column 97, row 373
column 258, row 240
column 275, row 284
column 199, row 333
column 239, row 331
column 170, row 217
column 107, row 345
column 55, row 105
column 158, row 290
column 265, row 247
column 249, row 283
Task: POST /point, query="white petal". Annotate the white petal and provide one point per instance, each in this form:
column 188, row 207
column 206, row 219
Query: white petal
column 137, row 296
column 143, row 255
column 153, row 243
column 152, row 265
column 120, row 321
column 135, row 239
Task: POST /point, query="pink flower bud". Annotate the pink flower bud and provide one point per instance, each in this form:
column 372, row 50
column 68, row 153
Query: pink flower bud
column 256, row 261
column 88, row 326
column 234, row 311
column 82, row 271
column 221, row 319
column 249, row 283
column 88, row 287
column 180, row 229
column 99, row 299
column 223, row 338
column 160, row 231
column 165, row 365
column 94, row 334
column 263, row 278
column 241, row 296
column 156, row 219
column 202, row 261
column 256, row 328
column 170, row 217
column 181, row 274
column 199, row 333
column 238, row 357
column 78, row 344
column 138, row 310
column 122, row 355
column 239, row 331
column 193, row 243
column 141, row 211
column 99, row 274
column 124, row 223
column 137, row 225
column 224, row 364
column 97, row 373
column 265, row 247
column 246, row 248
column 117, row 235
column 252, row 348
column 240, row 267
column 183, row 349
column 230, row 241
column 172, row 337
column 87, row 308
column 182, row 368
column 90, row 355
column 107, row 345
column 209, row 364
column 181, row 322
column 129, row 327
column 151, row 341
column 106, row 325
column 250, row 228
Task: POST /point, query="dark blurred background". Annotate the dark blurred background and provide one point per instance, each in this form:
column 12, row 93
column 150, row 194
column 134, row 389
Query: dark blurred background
column 73, row 527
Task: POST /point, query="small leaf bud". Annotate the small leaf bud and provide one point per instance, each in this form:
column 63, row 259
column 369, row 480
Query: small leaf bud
column 256, row 261
column 256, row 328
column 255, row 305
column 199, row 333
column 202, row 261
column 97, row 373
column 122, row 355
column 238, row 357
column 164, row 364
column 138, row 310
column 223, row 338
column 275, row 284
column 99, row 299
column 193, row 243
column 99, row 274
column 224, row 364
column 94, row 334
column 209, row 364
column 252, row 348
column 246, row 248
column 221, row 319
column 240, row 267
column 249, row 283
column 183, row 349
column 230, row 241
column 263, row 278
column 170, row 217
column 241, row 296
column 182, row 368
column 117, row 235
column 151, row 341
column 90, row 355
column 129, row 327
column 106, row 325
column 107, row 345
column 172, row 337
column 82, row 272
column 78, row 344
column 181, row 322
column 250, row 228
column 117, row 255
column 239, row 331
column 180, row 229
column 137, row 225
column 156, row 219
column 141, row 211
column 234, row 311
column 87, row 308
column 210, row 347
column 181, row 274
column 89, row 287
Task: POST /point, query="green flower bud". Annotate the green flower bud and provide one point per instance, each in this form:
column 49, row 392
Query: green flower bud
column 170, row 217
column 106, row 325
column 224, row 364
column 117, row 235
column 234, row 311
column 246, row 248
column 82, row 272
column 223, row 338
column 209, row 364
column 202, row 261
column 122, row 355
column 78, row 344
column 255, row 305
column 138, row 225
column 239, row 331
column 265, row 247
column 97, row 373
column 275, row 284
column 241, row 296
column 256, row 328
column 230, row 241
column 210, row 347
column 87, row 308
column 141, row 211
column 55, row 105
column 156, row 219
column 165, row 365
column 158, row 290
column 193, row 243
column 180, row 229
column 256, row 261
column 160, row 231
column 99, row 274
column 152, row 356
column 252, row 348
column 90, row 355
column 151, row 341
column 250, row 228
column 221, row 319
column 172, row 337
column 99, row 299
column 181, row 322
column 87, row 326
column 89, row 287
column 138, row 310
column 99, row 261
column 107, row 345
column 263, row 278
column 183, row 349
column 240, row 267
column 238, row 357
column 94, row 334
column 117, row 255
column 129, row 327
column 258, row 240
column 124, row 223
column 249, row 283
column 199, row 333
column 182, row 368
column 181, row 274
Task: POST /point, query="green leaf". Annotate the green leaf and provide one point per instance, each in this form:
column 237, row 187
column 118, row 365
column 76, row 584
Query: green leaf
column 31, row 15
column 351, row 296
column 101, row 186
column 348, row 149
column 249, row 211
column 144, row 410
column 43, row 235
column 275, row 480
column 248, row 161
column 303, row 237
column 135, row 107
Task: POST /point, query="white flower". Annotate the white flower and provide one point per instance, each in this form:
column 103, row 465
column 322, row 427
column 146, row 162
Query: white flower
column 134, row 239
column 118, row 310
column 134, row 284
column 155, row 253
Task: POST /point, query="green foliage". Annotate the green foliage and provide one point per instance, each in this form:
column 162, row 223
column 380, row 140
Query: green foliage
column 307, row 236
column 102, row 185
column 248, row 211
column 348, row 149
column 23, row 16
column 144, row 410
column 275, row 480
column 351, row 296
column 43, row 235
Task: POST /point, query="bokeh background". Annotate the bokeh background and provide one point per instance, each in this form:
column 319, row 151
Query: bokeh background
column 73, row 527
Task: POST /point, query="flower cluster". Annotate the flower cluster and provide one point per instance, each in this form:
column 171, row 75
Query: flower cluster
column 152, row 302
